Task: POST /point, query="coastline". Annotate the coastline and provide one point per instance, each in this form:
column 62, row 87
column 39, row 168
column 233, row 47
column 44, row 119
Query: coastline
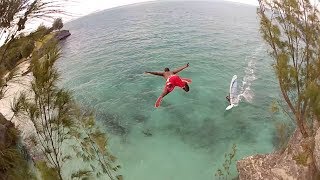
column 17, row 85
column 21, row 83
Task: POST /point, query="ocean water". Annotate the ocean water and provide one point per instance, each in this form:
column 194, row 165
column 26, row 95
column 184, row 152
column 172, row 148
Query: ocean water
column 103, row 63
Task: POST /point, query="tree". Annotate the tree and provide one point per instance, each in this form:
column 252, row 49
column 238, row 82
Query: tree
column 27, row 47
column 291, row 28
column 57, row 24
column 224, row 173
column 13, row 163
column 14, row 15
column 49, row 109
column 57, row 121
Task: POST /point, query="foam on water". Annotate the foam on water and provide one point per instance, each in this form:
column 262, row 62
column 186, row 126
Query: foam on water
column 245, row 89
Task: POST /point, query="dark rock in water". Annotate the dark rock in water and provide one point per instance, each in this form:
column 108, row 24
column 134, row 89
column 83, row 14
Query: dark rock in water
column 147, row 132
column 60, row 35
column 316, row 151
column 139, row 118
column 113, row 123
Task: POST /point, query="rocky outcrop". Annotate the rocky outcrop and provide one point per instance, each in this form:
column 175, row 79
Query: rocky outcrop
column 295, row 162
column 6, row 128
column 60, row 35
column 316, row 153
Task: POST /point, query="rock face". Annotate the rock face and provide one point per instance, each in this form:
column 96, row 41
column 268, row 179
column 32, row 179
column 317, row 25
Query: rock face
column 60, row 35
column 295, row 162
column 316, row 153
column 5, row 140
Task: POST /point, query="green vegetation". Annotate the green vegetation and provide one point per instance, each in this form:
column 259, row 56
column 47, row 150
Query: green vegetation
column 224, row 173
column 291, row 30
column 57, row 120
column 10, row 154
column 47, row 173
column 49, row 109
column 57, row 24
column 14, row 16
column 283, row 128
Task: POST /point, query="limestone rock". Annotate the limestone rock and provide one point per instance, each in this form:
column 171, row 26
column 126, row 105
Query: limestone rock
column 316, row 153
column 291, row 164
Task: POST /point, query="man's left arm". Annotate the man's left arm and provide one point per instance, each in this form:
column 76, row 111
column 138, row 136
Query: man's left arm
column 180, row 69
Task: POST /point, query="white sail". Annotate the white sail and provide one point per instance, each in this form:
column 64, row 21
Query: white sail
column 233, row 93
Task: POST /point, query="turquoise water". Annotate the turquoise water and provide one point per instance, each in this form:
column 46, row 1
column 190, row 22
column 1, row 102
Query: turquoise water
column 104, row 60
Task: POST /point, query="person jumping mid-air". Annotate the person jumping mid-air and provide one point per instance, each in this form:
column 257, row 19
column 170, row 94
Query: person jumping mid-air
column 172, row 80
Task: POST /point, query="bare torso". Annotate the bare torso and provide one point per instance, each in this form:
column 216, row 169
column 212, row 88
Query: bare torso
column 167, row 74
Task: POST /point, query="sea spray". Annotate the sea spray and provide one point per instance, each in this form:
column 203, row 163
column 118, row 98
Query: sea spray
column 245, row 89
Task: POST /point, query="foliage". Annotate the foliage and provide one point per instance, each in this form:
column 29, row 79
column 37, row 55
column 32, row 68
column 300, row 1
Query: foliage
column 283, row 128
column 47, row 173
column 81, row 174
column 49, row 109
column 13, row 165
column 39, row 33
column 93, row 145
column 26, row 48
column 16, row 13
column 228, row 159
column 57, row 120
column 57, row 24
column 291, row 29
column 14, row 16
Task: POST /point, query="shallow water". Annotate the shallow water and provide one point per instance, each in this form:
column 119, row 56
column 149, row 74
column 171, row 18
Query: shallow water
column 104, row 60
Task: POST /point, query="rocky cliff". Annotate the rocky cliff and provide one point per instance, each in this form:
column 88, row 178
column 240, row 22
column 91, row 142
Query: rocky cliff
column 294, row 162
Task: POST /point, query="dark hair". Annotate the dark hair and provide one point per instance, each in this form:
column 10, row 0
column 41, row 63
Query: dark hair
column 166, row 69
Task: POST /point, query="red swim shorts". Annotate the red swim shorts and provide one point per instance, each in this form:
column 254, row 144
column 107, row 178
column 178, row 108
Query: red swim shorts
column 174, row 81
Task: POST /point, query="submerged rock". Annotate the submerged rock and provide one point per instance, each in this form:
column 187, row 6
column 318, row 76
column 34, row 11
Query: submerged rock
column 147, row 132
column 139, row 118
column 113, row 123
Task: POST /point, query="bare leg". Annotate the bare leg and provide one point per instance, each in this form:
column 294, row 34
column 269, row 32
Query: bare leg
column 163, row 94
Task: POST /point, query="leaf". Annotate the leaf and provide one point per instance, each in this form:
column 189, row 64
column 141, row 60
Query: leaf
column 92, row 167
column 81, row 174
column 100, row 139
column 66, row 158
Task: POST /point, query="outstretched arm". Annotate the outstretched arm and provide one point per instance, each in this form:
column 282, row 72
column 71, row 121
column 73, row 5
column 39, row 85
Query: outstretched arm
column 154, row 73
column 180, row 69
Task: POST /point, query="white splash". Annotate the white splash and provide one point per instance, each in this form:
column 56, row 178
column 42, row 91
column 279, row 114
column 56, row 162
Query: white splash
column 245, row 89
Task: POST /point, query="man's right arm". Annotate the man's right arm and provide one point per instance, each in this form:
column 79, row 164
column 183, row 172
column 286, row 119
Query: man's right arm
column 155, row 73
